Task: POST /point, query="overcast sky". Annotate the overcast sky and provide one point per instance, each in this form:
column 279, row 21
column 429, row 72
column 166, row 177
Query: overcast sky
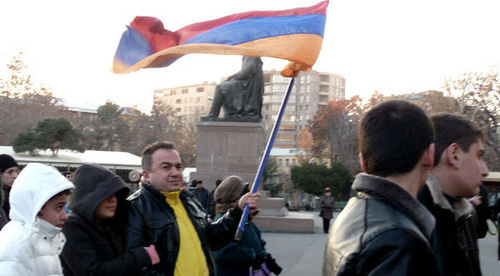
column 393, row 46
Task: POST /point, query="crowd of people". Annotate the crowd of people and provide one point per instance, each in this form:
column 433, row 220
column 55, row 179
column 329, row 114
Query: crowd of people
column 415, row 211
column 411, row 214
column 92, row 226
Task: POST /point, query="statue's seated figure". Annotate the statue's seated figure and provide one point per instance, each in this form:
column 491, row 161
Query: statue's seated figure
column 240, row 95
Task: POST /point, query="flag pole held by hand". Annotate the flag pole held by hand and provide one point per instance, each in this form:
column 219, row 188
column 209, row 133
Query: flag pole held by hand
column 260, row 171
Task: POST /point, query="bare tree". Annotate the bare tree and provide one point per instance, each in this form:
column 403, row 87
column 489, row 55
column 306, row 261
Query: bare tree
column 22, row 103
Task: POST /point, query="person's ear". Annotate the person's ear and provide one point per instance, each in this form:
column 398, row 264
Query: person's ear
column 452, row 154
column 429, row 156
column 145, row 175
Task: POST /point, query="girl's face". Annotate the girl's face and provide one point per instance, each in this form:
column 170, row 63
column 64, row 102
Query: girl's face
column 106, row 209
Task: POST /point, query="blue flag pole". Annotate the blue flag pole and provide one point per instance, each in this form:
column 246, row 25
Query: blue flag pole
column 260, row 171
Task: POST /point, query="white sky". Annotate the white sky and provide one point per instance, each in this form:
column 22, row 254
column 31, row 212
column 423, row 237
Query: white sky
column 393, row 46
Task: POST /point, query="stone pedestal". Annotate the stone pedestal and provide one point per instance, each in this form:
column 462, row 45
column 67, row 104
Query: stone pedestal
column 235, row 148
column 228, row 148
column 274, row 217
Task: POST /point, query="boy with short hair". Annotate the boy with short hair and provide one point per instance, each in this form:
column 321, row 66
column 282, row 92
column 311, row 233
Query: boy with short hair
column 384, row 230
column 458, row 172
column 31, row 242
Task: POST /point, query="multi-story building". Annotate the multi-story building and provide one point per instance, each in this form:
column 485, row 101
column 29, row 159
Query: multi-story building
column 189, row 102
column 310, row 90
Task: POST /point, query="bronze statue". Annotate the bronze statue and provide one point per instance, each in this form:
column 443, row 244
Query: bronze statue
column 240, row 95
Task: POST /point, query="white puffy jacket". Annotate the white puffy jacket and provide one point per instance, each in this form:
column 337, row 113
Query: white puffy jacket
column 29, row 245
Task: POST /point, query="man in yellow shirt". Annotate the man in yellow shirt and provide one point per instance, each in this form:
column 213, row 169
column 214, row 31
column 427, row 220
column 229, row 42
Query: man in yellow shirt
column 163, row 214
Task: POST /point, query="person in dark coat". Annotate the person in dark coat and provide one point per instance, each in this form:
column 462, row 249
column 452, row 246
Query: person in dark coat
column 458, row 172
column 202, row 195
column 9, row 170
column 327, row 206
column 385, row 230
column 211, row 199
column 94, row 230
column 3, row 217
column 247, row 256
column 171, row 218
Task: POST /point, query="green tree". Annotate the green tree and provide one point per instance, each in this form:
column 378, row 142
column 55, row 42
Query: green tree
column 108, row 131
column 313, row 179
column 270, row 170
column 53, row 134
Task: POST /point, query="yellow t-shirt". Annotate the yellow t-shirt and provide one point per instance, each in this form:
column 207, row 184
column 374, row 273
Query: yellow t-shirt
column 191, row 259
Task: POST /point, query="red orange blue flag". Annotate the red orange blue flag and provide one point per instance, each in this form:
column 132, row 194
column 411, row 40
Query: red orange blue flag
column 295, row 35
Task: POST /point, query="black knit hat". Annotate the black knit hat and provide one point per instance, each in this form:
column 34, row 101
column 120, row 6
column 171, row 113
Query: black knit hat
column 231, row 188
column 6, row 162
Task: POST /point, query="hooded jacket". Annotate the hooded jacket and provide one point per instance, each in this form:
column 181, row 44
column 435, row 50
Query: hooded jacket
column 93, row 247
column 30, row 245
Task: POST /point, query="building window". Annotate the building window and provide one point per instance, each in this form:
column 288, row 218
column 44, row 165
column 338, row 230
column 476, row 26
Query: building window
column 184, row 91
column 172, row 92
column 178, row 109
column 287, row 162
column 293, row 162
column 200, row 89
column 279, row 78
column 178, row 101
column 280, row 162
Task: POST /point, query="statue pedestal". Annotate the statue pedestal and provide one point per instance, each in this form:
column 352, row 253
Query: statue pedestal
column 235, row 148
column 228, row 148
column 274, row 217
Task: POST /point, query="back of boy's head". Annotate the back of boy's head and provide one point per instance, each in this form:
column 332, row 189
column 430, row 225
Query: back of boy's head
column 393, row 137
column 451, row 129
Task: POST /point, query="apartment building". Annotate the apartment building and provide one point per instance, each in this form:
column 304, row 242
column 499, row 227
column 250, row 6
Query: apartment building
column 311, row 90
column 189, row 102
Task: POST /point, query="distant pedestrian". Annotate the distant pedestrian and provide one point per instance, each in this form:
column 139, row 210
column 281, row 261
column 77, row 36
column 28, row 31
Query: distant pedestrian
column 247, row 256
column 9, row 169
column 202, row 195
column 95, row 229
column 327, row 207
column 211, row 199
column 31, row 242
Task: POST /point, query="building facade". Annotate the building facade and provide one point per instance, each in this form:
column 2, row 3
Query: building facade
column 310, row 90
column 189, row 102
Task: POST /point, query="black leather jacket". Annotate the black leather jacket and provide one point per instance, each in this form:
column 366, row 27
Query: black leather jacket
column 383, row 231
column 456, row 221
column 152, row 221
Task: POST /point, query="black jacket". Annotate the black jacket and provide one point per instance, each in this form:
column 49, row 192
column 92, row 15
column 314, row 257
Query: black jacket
column 152, row 221
column 383, row 231
column 456, row 235
column 92, row 247
column 202, row 195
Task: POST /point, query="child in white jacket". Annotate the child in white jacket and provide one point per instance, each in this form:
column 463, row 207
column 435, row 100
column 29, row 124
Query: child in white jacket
column 31, row 242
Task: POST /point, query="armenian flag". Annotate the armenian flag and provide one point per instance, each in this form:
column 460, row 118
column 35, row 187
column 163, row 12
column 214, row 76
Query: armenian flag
column 295, row 35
